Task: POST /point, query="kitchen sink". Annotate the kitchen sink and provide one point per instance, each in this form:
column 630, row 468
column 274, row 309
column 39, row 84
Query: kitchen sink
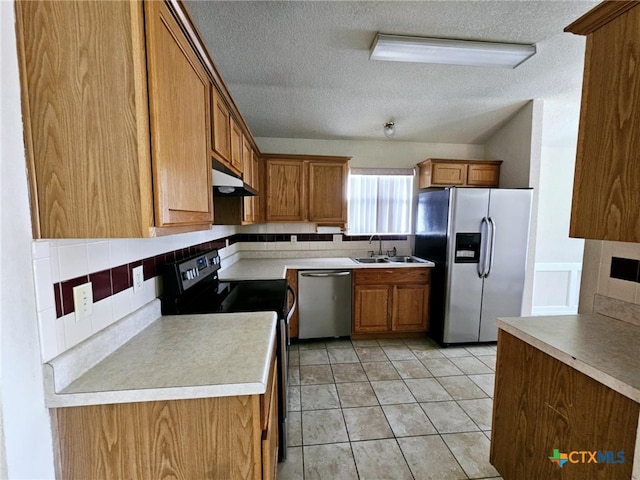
column 406, row 259
column 371, row 260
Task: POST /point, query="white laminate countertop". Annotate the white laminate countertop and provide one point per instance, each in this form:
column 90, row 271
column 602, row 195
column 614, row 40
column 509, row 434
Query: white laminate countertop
column 603, row 348
column 271, row 268
column 180, row 357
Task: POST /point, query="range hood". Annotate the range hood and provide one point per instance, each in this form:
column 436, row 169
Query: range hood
column 227, row 184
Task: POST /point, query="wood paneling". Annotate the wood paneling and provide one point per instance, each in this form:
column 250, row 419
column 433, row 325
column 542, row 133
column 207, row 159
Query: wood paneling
column 599, row 16
column 410, row 308
column 236, row 146
column 327, row 192
column 605, row 192
column 270, row 438
column 301, row 188
column 391, row 276
column 394, row 301
column 442, row 172
column 85, row 116
column 286, row 192
column 541, row 404
column 449, row 174
column 372, row 308
column 179, row 105
column 220, row 127
column 482, row 175
column 182, row 439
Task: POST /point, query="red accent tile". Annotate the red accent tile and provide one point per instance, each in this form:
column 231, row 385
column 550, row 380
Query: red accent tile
column 120, row 279
column 57, row 293
column 101, row 285
column 149, row 268
column 67, row 293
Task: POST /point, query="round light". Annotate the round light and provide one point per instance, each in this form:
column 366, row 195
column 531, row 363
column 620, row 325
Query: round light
column 389, row 129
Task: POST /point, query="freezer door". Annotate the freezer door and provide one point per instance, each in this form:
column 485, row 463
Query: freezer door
column 510, row 211
column 464, row 289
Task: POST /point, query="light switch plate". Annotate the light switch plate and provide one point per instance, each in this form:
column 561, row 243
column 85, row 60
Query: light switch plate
column 83, row 301
column 138, row 279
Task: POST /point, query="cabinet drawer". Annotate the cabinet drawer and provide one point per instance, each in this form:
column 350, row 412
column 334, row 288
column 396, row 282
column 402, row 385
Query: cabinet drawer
column 266, row 399
column 386, row 276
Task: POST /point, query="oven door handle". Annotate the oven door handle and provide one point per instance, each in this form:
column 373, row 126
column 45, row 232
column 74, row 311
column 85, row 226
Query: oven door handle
column 327, row 274
column 290, row 312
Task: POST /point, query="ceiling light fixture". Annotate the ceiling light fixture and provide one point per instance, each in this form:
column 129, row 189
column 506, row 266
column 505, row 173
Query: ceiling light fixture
column 398, row 48
column 389, row 129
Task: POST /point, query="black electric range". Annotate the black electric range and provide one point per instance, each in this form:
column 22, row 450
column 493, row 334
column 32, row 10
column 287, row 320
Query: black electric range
column 192, row 286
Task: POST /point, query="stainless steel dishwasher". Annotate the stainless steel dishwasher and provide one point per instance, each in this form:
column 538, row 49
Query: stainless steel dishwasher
column 324, row 303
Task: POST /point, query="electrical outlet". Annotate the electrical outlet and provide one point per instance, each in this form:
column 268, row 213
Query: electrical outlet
column 337, row 238
column 83, row 301
column 138, row 279
column 294, row 239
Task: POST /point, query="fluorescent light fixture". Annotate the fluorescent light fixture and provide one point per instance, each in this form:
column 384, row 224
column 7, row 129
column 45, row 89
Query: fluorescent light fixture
column 396, row 48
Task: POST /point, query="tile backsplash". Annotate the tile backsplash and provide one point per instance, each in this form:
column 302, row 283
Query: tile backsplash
column 59, row 265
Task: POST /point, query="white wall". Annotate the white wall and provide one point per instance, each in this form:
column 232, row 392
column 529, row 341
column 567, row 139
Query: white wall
column 26, row 432
column 518, row 143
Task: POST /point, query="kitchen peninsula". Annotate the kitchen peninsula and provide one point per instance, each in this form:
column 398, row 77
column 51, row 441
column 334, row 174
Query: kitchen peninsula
column 571, row 384
column 168, row 396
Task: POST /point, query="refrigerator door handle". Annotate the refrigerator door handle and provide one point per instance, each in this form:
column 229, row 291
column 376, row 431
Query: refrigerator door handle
column 492, row 246
column 482, row 261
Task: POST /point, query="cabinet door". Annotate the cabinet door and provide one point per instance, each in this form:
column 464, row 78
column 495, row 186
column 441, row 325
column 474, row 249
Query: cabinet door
column 179, row 108
column 285, row 191
column 221, row 127
column 448, row 173
column 327, row 192
column 236, row 146
column 85, row 113
column 371, row 308
column 481, row 175
column 607, row 172
column 247, row 175
column 410, row 308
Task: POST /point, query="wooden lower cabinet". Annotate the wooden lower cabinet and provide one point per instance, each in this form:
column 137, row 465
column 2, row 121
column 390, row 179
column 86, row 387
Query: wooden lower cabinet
column 220, row 437
column 542, row 404
column 390, row 301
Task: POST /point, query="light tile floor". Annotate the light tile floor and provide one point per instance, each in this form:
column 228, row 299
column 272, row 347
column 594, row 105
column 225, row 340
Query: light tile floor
column 389, row 409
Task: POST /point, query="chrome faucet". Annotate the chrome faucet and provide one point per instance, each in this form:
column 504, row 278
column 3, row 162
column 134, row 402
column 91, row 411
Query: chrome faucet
column 380, row 239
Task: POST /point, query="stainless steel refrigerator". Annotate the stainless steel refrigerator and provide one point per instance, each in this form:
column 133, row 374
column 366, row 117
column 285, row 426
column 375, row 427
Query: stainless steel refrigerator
column 478, row 239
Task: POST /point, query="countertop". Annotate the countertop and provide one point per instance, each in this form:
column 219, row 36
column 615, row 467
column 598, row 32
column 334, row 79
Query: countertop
column 603, row 348
column 272, row 268
column 179, row 357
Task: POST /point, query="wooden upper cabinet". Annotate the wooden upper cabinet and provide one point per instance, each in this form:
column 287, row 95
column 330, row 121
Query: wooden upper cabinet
column 116, row 147
column 179, row 107
column 328, row 192
column 607, row 173
column 220, row 127
column 286, row 191
column 302, row 188
column 439, row 172
column 236, row 146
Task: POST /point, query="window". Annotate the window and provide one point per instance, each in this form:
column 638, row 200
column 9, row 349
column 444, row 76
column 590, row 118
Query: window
column 380, row 203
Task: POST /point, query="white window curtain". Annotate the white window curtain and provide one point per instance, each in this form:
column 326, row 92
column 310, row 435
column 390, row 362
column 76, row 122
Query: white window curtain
column 379, row 202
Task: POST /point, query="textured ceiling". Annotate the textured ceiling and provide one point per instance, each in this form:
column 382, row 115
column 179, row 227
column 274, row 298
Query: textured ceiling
column 301, row 69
